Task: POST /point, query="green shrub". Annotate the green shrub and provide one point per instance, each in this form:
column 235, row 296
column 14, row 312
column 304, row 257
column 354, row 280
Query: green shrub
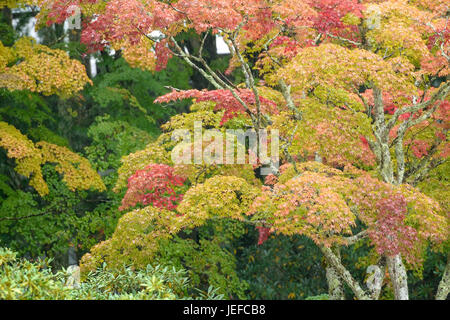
column 24, row 280
column 21, row 279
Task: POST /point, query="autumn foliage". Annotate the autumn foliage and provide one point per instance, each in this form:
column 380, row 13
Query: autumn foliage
column 155, row 185
column 358, row 91
column 76, row 171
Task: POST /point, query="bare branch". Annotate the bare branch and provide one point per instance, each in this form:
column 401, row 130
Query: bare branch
column 187, row 57
column 344, row 39
column 344, row 274
column 354, row 239
column 444, row 284
column 441, row 94
column 286, row 91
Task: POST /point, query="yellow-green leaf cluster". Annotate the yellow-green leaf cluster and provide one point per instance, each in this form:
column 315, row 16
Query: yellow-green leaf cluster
column 217, row 197
column 334, row 66
column 41, row 69
column 76, row 170
column 28, row 157
column 135, row 240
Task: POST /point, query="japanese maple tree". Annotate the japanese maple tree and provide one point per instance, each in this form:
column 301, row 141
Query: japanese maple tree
column 33, row 67
column 361, row 86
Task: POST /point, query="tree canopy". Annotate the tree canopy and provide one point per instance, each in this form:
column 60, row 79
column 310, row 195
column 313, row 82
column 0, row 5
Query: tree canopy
column 356, row 93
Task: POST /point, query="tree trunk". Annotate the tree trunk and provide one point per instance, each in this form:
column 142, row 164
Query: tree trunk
column 73, row 279
column 72, row 256
column 333, row 260
column 375, row 280
column 335, row 284
column 444, row 285
column 335, row 287
column 399, row 278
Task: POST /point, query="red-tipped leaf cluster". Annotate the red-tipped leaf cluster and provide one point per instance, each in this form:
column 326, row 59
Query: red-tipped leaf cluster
column 156, row 185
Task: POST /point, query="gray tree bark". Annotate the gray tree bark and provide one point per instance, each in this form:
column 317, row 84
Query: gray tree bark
column 399, row 277
column 344, row 274
column 375, row 280
column 444, row 285
column 335, row 287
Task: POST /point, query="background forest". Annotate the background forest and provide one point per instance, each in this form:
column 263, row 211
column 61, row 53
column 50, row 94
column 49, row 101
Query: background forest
column 68, row 148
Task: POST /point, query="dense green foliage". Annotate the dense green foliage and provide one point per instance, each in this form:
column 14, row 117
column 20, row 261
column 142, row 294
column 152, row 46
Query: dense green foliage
column 24, row 280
